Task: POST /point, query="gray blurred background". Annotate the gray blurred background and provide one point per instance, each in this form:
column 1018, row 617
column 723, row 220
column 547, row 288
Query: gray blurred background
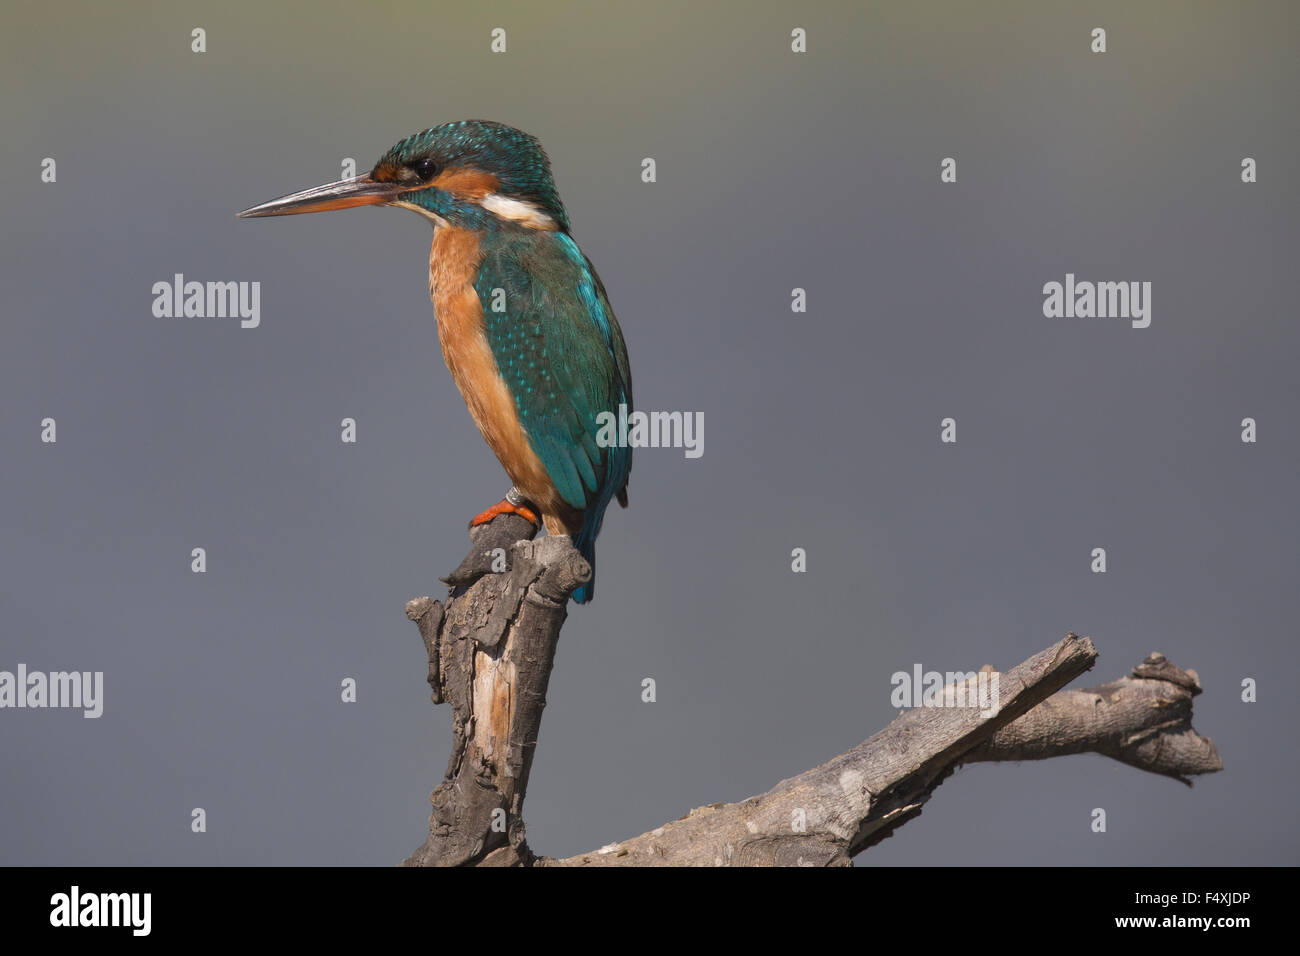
column 775, row 170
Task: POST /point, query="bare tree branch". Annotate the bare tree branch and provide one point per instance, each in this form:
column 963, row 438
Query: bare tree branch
column 490, row 651
column 491, row 648
column 1144, row 720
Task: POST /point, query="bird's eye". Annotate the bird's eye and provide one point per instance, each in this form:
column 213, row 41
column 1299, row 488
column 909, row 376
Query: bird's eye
column 426, row 168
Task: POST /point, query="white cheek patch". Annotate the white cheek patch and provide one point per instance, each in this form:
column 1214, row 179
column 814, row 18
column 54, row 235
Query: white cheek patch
column 517, row 210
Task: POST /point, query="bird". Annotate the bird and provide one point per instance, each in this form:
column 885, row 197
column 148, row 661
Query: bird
column 524, row 322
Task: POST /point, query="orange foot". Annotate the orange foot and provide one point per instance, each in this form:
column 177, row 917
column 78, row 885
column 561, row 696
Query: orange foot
column 504, row 507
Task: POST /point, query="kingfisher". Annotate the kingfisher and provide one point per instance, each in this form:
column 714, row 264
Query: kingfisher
column 524, row 323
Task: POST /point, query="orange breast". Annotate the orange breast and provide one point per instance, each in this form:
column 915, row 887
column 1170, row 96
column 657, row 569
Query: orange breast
column 454, row 262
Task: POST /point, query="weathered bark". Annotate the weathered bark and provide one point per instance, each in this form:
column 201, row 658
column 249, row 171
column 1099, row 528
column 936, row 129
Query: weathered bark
column 490, row 653
column 1143, row 719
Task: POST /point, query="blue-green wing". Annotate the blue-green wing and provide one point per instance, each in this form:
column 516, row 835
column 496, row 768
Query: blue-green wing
column 561, row 353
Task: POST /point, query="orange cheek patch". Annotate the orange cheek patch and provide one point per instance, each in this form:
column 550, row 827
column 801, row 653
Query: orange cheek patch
column 386, row 173
column 465, row 183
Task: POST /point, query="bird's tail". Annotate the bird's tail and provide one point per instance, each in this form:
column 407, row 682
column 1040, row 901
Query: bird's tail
column 585, row 542
column 586, row 545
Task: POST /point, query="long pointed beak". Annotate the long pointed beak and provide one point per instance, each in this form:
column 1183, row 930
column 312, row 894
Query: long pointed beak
column 344, row 194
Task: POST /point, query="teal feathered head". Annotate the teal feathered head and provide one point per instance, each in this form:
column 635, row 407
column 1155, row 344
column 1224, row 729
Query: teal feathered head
column 472, row 173
column 480, row 162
